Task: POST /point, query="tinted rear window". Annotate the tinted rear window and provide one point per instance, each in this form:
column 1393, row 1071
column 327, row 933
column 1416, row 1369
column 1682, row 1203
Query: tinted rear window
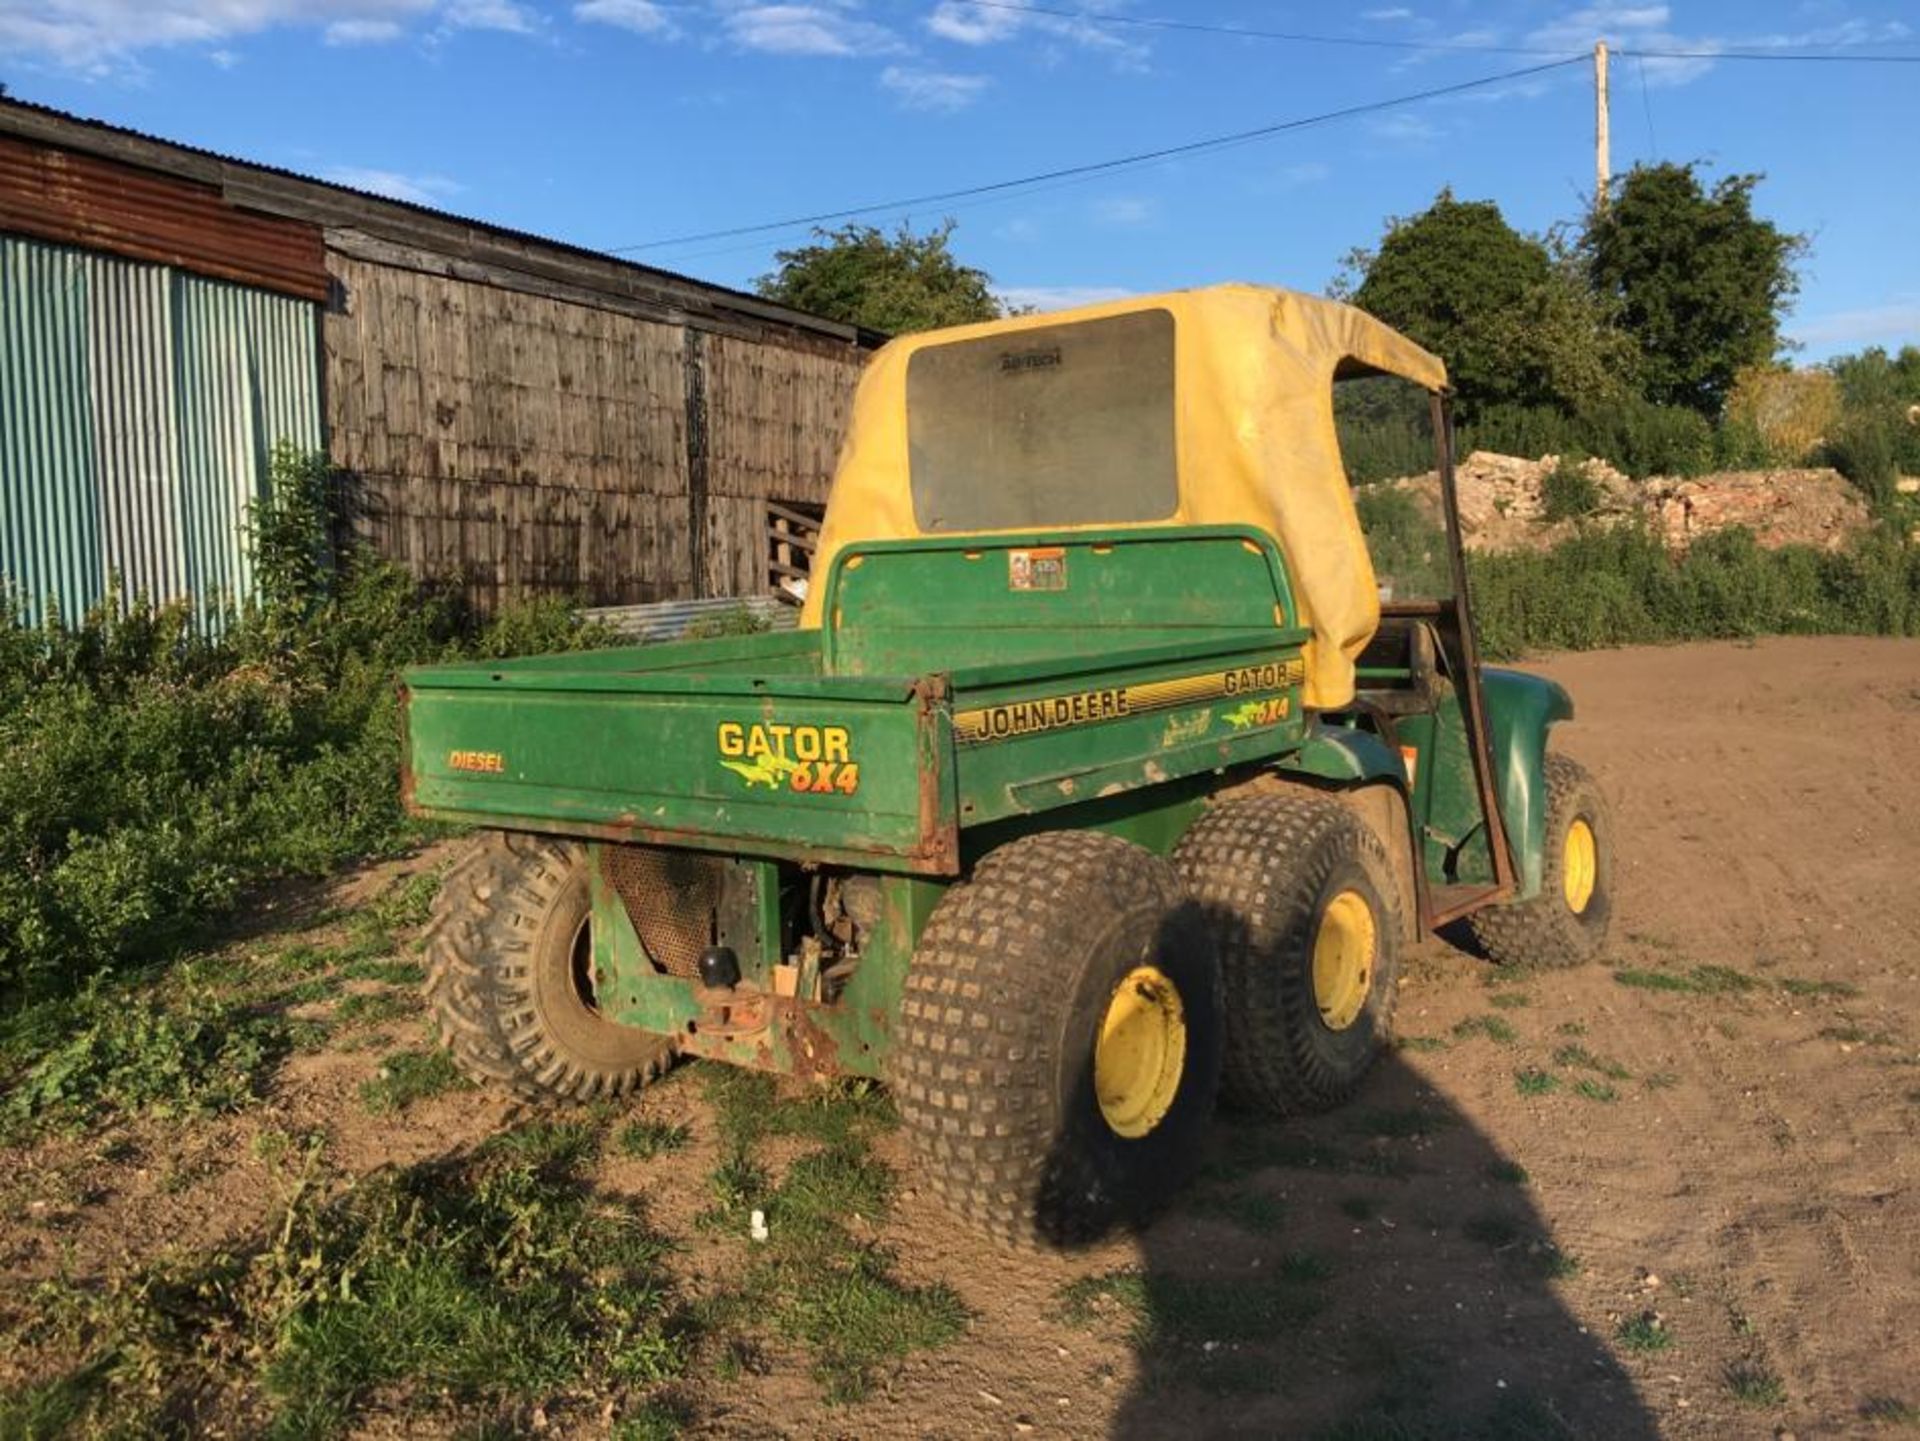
column 1059, row 425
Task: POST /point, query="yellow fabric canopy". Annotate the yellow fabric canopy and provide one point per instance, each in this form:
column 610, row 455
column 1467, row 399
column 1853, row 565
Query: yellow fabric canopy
column 1254, row 369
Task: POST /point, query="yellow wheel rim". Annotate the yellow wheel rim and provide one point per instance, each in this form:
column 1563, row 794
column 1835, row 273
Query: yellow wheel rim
column 1141, row 1053
column 1579, row 866
column 1343, row 952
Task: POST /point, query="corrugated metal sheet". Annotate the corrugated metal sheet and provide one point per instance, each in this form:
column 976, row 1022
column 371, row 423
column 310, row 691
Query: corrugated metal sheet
column 138, row 410
column 672, row 619
column 84, row 200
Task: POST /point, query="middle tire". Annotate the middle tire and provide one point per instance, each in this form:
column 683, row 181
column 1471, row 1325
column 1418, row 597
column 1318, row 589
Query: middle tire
column 1060, row 1039
column 1304, row 914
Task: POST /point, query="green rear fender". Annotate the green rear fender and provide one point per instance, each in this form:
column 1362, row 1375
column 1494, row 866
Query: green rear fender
column 1521, row 709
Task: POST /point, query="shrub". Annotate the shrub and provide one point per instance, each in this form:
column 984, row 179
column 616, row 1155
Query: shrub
column 153, row 763
column 1568, row 492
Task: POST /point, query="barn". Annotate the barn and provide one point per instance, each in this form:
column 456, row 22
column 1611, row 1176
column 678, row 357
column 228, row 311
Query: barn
column 506, row 413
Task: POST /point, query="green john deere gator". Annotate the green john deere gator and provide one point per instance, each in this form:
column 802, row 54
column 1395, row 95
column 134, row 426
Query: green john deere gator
column 1098, row 779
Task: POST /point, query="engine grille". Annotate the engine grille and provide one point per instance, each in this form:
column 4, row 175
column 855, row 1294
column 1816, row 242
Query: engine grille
column 673, row 900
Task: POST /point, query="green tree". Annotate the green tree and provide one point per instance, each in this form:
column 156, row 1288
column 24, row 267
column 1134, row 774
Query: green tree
column 895, row 283
column 1700, row 281
column 1510, row 315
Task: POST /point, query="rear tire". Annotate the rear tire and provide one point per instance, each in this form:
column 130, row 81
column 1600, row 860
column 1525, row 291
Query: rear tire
column 1060, row 1039
column 510, row 982
column 1299, row 898
column 1566, row 924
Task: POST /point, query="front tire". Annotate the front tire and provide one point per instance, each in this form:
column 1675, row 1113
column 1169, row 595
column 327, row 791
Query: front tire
column 509, row 977
column 1300, row 900
column 1060, row 1040
column 1566, row 924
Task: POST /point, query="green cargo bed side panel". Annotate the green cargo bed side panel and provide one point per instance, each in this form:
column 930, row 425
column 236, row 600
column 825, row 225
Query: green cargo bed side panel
column 1521, row 709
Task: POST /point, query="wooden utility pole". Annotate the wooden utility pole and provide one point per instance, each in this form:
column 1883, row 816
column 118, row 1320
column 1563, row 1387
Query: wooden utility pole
column 1602, row 168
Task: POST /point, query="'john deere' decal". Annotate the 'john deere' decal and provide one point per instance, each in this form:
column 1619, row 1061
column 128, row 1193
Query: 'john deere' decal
column 1031, row 717
column 808, row 760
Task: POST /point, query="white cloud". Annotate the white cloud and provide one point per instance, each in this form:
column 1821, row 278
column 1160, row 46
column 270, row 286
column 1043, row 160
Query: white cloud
column 1895, row 322
column 824, row 29
column 932, row 89
column 1650, row 27
column 1403, row 127
column 394, row 184
column 966, row 24
column 105, row 36
column 1057, row 297
column 1307, row 172
column 225, row 59
column 641, row 16
column 1397, row 12
column 504, row 15
column 1124, row 212
column 363, row 32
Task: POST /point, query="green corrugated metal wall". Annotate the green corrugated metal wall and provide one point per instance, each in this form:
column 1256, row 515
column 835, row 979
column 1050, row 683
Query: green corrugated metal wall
column 138, row 408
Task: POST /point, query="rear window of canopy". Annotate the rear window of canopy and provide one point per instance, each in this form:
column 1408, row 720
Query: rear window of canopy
column 1057, row 425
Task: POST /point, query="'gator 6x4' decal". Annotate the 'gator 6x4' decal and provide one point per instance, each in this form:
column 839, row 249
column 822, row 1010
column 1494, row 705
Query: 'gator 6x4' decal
column 804, row 759
column 1031, row 717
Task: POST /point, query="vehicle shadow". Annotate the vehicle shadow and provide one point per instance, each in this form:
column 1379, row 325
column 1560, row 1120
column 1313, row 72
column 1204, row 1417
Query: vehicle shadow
column 1380, row 1271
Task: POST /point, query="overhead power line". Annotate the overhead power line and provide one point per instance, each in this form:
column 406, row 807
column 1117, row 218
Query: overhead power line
column 1366, row 42
column 1142, row 157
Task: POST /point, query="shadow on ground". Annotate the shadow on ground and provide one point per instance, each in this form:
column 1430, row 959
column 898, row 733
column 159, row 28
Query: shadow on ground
column 1380, row 1272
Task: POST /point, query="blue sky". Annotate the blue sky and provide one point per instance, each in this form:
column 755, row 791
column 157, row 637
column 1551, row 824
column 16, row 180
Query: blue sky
column 611, row 123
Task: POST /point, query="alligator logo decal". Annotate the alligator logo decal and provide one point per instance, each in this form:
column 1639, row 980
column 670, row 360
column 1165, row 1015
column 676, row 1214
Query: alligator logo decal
column 804, row 759
column 767, row 770
column 1249, row 714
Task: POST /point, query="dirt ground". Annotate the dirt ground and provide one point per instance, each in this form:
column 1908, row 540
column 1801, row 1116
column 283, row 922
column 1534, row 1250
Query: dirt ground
column 1637, row 1199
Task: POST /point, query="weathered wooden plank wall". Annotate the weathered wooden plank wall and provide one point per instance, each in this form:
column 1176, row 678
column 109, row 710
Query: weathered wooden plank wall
column 526, row 443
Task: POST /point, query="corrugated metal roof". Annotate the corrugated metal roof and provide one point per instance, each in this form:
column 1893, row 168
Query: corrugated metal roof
column 270, row 188
column 672, row 619
column 138, row 410
column 106, row 205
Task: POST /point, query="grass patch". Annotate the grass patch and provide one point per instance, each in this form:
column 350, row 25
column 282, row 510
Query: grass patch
column 1661, row 1081
column 1186, row 1312
column 1753, row 1384
column 1580, row 1058
column 1397, row 1123
column 456, row 1286
column 1644, row 1334
column 1422, row 1044
column 1855, row 1035
column 1890, row 1411
column 1259, row 1212
column 375, row 1008
column 1532, row 1081
column 1510, row 1000
column 1492, row 1229
column 813, row 1282
column 1796, row 986
column 1509, row 1173
column 386, row 970
column 646, row 1139
column 1492, row 1027
column 1571, row 1028
column 115, row 1052
column 1558, row 1265
column 1594, row 1090
column 1696, row 981
column 408, row 1076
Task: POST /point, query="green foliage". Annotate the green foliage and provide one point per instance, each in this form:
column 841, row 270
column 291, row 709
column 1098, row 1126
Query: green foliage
column 1567, row 492
column 1620, row 586
column 1633, row 435
column 1699, row 280
column 111, row 1051
column 1876, row 438
column 813, row 1280
column 898, row 283
column 1408, row 547
column 1644, row 1333
column 1514, row 326
column 150, row 770
column 646, row 1139
column 1754, row 1384
column 408, row 1076
column 467, row 1284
